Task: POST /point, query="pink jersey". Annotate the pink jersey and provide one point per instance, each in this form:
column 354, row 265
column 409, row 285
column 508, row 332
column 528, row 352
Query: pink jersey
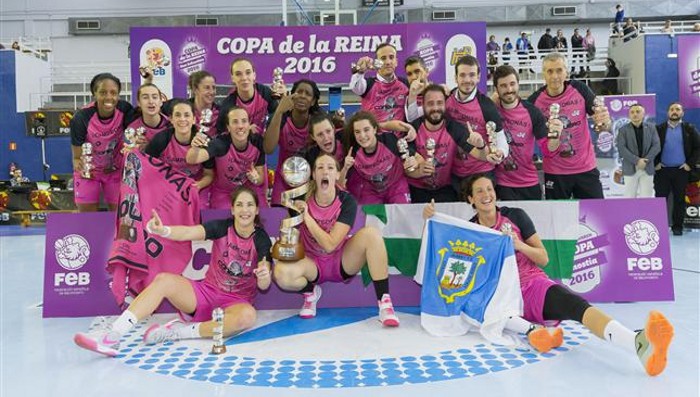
column 343, row 209
column 292, row 142
column 234, row 258
column 150, row 132
column 575, row 153
column 232, row 164
column 166, row 147
column 447, row 139
column 476, row 112
column 380, row 170
column 105, row 135
column 385, row 100
column 522, row 125
column 258, row 108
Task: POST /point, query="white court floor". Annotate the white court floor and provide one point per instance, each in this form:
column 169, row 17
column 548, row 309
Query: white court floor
column 341, row 353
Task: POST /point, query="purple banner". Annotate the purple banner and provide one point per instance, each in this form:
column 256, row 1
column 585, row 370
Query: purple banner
column 321, row 53
column 689, row 70
column 623, row 253
column 607, row 156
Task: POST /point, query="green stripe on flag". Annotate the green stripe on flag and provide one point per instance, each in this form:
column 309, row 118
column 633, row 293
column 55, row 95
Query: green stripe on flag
column 561, row 258
column 403, row 255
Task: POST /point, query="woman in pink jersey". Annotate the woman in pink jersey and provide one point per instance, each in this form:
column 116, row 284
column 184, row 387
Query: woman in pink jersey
column 239, row 267
column 239, row 158
column 290, row 128
column 545, row 300
column 331, row 254
column 172, row 145
column 375, row 160
column 324, row 139
column 202, row 88
column 101, row 124
column 148, row 115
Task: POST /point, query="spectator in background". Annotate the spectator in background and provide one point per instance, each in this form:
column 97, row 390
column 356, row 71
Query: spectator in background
column 629, row 32
column 638, row 144
column 577, row 52
column 610, row 82
column 696, row 27
column 589, row 45
column 507, row 48
column 560, row 43
column 492, row 45
column 15, row 46
column 546, row 43
column 619, row 17
column 522, row 46
column 667, row 27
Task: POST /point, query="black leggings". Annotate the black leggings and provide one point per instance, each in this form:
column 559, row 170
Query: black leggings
column 561, row 304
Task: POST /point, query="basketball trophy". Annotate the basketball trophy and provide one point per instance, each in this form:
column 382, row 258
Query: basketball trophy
column 491, row 136
column 402, row 145
column 376, row 64
column 296, row 172
column 598, row 104
column 86, row 159
column 217, row 316
column 553, row 114
column 204, row 123
column 277, row 82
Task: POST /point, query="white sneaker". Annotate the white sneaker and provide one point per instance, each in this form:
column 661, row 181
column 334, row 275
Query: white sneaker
column 161, row 333
column 102, row 341
column 310, row 299
column 386, row 312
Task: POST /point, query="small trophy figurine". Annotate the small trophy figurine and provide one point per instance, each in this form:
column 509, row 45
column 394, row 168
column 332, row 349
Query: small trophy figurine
column 597, row 105
column 553, row 114
column 376, row 64
column 277, row 81
column 507, row 228
column 430, row 150
column 86, row 159
column 491, row 136
column 217, row 315
column 402, row 145
column 204, row 122
column 296, row 172
column 131, row 138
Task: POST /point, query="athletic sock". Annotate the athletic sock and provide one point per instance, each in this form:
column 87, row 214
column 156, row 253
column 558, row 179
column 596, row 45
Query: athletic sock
column 519, row 325
column 308, row 288
column 620, row 335
column 188, row 331
column 381, row 287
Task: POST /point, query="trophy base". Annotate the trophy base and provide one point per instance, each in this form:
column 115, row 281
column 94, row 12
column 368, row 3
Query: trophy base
column 216, row 349
column 287, row 252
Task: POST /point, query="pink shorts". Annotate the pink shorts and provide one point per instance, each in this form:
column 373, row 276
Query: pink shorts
column 328, row 266
column 87, row 191
column 534, row 292
column 209, row 298
column 398, row 193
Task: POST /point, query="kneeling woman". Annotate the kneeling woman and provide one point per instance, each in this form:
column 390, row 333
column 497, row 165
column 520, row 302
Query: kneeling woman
column 331, row 255
column 239, row 266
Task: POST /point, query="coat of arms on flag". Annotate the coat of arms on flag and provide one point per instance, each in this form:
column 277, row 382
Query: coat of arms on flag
column 457, row 269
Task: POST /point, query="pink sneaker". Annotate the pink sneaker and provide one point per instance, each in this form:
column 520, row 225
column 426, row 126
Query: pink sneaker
column 386, row 312
column 310, row 299
column 161, row 333
column 102, row 342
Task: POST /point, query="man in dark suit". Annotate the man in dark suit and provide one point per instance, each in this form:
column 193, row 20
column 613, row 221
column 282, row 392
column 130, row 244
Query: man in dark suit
column 680, row 151
column 638, row 144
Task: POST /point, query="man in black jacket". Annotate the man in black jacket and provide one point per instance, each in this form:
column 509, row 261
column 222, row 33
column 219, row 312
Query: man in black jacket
column 680, row 153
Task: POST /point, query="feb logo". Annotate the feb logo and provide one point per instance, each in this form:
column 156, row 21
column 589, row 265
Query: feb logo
column 616, row 105
column 458, row 267
column 72, row 251
column 641, row 237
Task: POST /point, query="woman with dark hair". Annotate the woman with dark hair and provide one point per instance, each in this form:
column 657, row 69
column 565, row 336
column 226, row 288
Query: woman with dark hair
column 331, row 254
column 172, row 144
column 374, row 167
column 610, row 82
column 544, row 299
column 289, row 127
column 148, row 114
column 201, row 86
column 100, row 123
column 324, row 138
column 239, row 158
column 239, row 267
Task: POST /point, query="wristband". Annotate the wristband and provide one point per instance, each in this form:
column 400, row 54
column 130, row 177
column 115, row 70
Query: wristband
column 166, row 231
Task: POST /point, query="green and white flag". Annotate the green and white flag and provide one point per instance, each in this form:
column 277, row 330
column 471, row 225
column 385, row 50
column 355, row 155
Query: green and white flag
column 401, row 226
